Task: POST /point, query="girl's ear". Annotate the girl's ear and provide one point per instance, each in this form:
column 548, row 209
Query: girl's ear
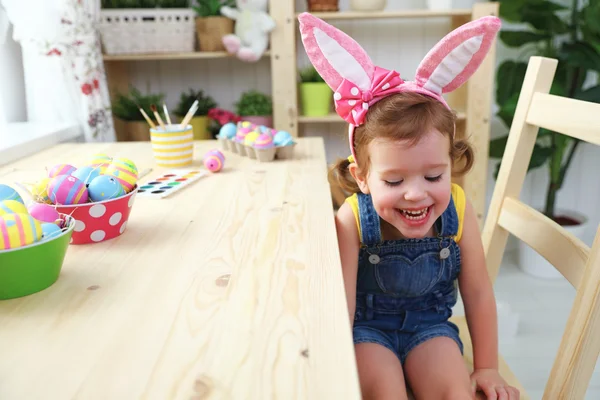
column 334, row 54
column 359, row 178
column 457, row 56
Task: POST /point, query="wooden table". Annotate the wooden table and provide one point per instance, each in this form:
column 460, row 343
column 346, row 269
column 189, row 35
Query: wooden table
column 229, row 289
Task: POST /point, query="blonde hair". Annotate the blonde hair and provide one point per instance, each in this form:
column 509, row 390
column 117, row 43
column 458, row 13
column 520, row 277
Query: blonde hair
column 403, row 116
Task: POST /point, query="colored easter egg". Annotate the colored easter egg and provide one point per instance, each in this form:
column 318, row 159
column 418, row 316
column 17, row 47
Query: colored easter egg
column 282, row 138
column 214, row 160
column 50, row 230
column 228, row 130
column 124, row 171
column 250, row 138
column 61, row 169
column 44, row 212
column 8, row 193
column 12, row 207
column 39, row 191
column 86, row 174
column 264, row 141
column 18, row 230
column 101, row 161
column 67, row 190
column 105, row 187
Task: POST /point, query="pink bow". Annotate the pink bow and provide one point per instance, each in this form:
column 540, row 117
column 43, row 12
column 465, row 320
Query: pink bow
column 352, row 104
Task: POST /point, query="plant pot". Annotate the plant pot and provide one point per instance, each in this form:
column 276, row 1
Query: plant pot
column 210, row 31
column 368, row 5
column 323, row 5
column 137, row 131
column 259, row 120
column 200, row 127
column 439, row 4
column 530, row 262
column 316, row 99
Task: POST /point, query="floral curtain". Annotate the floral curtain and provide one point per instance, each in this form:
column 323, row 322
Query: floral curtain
column 65, row 77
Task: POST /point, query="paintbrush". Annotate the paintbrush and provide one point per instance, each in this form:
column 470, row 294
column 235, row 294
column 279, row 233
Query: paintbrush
column 157, row 116
column 166, row 113
column 147, row 118
column 189, row 114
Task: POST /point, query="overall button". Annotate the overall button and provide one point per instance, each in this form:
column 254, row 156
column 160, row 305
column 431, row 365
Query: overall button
column 444, row 253
column 374, row 259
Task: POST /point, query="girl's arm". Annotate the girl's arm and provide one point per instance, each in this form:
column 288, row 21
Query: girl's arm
column 349, row 244
column 477, row 294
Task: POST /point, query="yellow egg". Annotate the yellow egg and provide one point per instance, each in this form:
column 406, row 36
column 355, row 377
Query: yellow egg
column 39, row 192
column 101, row 161
column 251, row 137
column 124, row 171
column 12, row 207
column 17, row 230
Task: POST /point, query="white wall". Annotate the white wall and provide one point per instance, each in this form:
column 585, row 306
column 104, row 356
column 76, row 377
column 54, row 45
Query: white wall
column 12, row 93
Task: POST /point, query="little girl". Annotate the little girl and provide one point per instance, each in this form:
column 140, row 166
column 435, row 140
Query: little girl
column 408, row 234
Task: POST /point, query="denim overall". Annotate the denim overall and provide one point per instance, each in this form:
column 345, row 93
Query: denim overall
column 405, row 288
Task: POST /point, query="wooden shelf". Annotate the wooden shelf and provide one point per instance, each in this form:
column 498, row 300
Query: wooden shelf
column 341, row 15
column 170, row 56
column 332, row 118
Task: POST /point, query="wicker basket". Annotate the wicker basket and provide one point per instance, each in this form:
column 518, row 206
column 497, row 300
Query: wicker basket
column 136, row 30
column 323, row 5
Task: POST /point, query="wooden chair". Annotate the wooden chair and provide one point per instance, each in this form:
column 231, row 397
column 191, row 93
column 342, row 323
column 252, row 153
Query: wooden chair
column 580, row 265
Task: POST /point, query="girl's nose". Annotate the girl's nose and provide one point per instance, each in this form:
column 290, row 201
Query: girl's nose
column 415, row 193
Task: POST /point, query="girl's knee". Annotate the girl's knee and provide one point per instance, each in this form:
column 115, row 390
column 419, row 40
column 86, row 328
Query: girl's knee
column 458, row 392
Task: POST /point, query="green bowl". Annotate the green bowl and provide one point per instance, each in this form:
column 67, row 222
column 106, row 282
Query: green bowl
column 30, row 269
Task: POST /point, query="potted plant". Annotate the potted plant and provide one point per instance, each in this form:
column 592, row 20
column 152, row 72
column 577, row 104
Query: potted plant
column 323, row 5
column 218, row 117
column 315, row 94
column 130, row 124
column 199, row 121
column 571, row 35
column 255, row 107
column 211, row 26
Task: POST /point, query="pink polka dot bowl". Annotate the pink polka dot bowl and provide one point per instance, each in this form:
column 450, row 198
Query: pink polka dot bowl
column 99, row 221
column 30, row 269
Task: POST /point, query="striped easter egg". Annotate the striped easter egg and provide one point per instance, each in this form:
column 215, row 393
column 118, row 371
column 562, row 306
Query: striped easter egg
column 67, row 190
column 101, row 161
column 17, row 230
column 39, row 191
column 8, row 193
column 61, row 169
column 124, row 171
column 214, row 160
column 12, row 207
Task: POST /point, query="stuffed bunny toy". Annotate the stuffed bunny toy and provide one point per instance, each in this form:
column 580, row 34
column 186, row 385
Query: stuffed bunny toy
column 252, row 27
column 358, row 83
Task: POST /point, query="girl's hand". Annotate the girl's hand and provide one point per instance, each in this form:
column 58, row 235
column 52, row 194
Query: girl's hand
column 492, row 385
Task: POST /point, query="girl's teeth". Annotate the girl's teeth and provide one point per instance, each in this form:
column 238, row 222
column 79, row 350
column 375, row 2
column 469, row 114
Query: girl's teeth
column 415, row 215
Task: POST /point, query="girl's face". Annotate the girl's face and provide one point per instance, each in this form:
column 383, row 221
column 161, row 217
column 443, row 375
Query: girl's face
column 409, row 185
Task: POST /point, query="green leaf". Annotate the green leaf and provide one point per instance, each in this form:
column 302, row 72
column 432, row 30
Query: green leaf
column 511, row 74
column 580, row 54
column 497, row 147
column 519, row 38
column 591, row 94
column 538, row 158
column 507, row 110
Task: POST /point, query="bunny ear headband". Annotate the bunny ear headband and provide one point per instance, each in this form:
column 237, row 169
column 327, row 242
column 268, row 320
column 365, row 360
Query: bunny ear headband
column 358, row 84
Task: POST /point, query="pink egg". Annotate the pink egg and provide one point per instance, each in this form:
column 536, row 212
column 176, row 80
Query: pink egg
column 61, row 169
column 44, row 212
column 67, row 190
column 264, row 141
column 214, row 160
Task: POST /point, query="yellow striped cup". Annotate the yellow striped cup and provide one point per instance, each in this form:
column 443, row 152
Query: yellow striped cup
column 173, row 147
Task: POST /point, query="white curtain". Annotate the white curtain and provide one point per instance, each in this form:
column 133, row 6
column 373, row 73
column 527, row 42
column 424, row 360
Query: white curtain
column 62, row 59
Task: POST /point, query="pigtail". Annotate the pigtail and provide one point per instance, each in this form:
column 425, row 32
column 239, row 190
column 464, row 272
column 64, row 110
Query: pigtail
column 463, row 157
column 340, row 172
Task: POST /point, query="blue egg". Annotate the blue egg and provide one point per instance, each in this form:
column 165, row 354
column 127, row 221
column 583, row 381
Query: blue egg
column 228, row 130
column 8, row 193
column 50, row 230
column 105, row 187
column 282, row 138
column 86, row 174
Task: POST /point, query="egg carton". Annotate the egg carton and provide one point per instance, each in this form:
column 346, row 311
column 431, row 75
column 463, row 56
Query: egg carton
column 262, row 155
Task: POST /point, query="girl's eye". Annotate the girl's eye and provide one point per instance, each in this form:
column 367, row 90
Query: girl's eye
column 434, row 178
column 392, row 183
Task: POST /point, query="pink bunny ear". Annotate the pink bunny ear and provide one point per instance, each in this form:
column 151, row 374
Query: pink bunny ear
column 334, row 54
column 457, row 56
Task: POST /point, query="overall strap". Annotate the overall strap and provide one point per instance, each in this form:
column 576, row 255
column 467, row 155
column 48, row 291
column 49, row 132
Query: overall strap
column 369, row 220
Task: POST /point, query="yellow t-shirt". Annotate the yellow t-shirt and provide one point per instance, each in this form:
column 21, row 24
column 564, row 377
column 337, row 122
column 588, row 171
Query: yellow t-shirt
column 458, row 195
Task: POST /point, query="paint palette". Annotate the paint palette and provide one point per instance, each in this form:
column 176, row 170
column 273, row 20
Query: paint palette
column 170, row 182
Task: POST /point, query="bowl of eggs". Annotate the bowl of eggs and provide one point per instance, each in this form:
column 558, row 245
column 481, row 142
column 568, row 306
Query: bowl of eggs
column 33, row 244
column 99, row 196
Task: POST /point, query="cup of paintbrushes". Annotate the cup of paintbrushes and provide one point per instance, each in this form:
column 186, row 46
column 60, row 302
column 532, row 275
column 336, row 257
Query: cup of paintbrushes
column 173, row 146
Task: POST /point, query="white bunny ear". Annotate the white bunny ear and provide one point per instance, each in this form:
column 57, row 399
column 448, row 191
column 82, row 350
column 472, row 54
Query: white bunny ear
column 334, row 54
column 457, row 56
